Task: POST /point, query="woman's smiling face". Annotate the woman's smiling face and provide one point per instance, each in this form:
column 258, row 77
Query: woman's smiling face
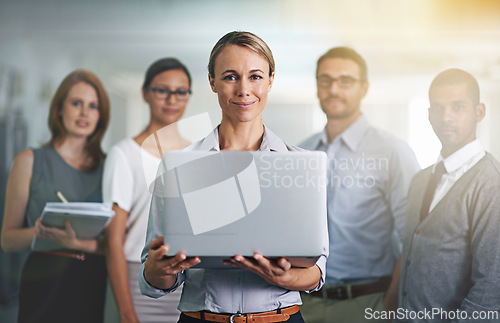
column 241, row 80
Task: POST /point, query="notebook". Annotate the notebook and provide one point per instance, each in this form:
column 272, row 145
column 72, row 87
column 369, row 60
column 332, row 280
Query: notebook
column 218, row 204
column 88, row 219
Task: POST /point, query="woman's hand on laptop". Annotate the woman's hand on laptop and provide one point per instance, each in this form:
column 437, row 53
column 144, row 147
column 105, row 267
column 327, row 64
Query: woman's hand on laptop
column 160, row 270
column 278, row 272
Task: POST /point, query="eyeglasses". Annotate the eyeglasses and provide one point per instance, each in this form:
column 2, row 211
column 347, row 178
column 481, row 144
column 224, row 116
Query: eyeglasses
column 344, row 82
column 162, row 93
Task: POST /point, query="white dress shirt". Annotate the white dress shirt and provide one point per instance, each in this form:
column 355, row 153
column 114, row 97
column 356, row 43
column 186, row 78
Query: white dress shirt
column 456, row 165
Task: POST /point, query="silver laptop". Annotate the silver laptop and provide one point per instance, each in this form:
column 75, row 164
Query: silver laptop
column 219, row 204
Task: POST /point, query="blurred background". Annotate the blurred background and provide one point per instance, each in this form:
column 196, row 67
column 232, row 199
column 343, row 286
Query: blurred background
column 405, row 43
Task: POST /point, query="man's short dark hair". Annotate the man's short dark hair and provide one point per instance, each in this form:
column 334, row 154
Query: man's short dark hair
column 454, row 76
column 346, row 53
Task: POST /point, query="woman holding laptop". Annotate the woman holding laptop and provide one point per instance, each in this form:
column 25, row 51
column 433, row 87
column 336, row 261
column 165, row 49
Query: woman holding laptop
column 65, row 285
column 241, row 73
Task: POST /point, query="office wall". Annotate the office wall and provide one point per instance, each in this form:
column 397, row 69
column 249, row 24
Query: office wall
column 405, row 45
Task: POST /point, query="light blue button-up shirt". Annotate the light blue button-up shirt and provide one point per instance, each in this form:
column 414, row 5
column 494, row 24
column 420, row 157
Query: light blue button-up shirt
column 369, row 175
column 230, row 290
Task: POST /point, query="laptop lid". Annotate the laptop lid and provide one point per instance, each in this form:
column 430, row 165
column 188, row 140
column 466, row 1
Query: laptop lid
column 218, row 204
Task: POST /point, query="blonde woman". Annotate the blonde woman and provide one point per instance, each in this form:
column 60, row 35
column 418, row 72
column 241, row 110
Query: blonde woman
column 241, row 73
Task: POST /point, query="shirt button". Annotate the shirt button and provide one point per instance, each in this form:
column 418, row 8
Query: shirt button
column 407, row 262
column 404, row 294
column 417, row 231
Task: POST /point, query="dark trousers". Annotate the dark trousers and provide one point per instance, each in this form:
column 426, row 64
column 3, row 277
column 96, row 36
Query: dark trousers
column 295, row 318
column 60, row 289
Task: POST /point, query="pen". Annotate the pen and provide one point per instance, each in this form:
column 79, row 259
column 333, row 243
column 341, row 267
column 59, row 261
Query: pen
column 61, row 197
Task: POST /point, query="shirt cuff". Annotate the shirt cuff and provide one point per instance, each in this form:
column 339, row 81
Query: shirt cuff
column 153, row 292
column 321, row 263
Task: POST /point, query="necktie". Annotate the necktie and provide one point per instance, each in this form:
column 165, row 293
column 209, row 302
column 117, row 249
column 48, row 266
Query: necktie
column 439, row 171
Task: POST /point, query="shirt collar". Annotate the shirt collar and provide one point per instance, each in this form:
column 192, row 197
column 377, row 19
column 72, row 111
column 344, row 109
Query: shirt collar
column 323, row 138
column 211, row 142
column 270, row 141
column 352, row 136
column 461, row 156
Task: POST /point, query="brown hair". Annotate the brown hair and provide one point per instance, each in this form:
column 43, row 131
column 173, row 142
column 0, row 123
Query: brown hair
column 243, row 39
column 162, row 65
column 346, row 53
column 93, row 145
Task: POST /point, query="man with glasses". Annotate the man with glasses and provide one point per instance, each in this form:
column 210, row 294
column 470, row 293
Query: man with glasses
column 369, row 174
